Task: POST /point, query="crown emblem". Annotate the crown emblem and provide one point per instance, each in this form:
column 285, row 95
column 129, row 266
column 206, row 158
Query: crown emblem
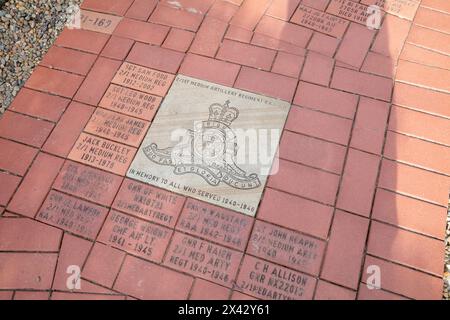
column 223, row 114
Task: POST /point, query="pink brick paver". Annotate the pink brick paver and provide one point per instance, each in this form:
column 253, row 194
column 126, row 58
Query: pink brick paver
column 363, row 175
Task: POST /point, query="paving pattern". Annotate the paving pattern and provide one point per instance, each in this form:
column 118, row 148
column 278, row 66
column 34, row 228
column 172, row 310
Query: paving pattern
column 364, row 166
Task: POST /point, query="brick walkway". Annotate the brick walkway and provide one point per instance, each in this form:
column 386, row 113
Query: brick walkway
column 364, row 157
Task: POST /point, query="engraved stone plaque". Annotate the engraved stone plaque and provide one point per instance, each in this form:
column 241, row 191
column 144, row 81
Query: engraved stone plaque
column 149, row 203
column 138, row 237
column 320, row 21
column 212, row 143
column 101, row 153
column 286, row 247
column 216, row 224
column 269, row 281
column 130, row 102
column 143, row 79
column 203, row 259
column 71, row 214
column 117, row 127
column 99, row 22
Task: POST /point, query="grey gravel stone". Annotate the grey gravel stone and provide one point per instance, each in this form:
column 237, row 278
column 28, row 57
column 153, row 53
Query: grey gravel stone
column 447, row 258
column 27, row 30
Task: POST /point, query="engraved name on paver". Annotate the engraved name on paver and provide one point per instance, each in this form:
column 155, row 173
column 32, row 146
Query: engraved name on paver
column 350, row 10
column 143, row 79
column 286, row 247
column 269, row 281
column 130, row 102
column 87, row 182
column 320, row 21
column 102, row 153
column 138, row 237
column 71, row 214
column 216, row 224
column 98, row 22
column 148, row 202
column 203, row 259
column 117, row 127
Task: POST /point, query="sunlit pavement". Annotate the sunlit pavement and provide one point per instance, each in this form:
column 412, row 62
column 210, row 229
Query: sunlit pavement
column 358, row 199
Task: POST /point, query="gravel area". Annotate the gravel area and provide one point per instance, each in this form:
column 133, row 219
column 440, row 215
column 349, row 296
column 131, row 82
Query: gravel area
column 27, row 30
column 447, row 258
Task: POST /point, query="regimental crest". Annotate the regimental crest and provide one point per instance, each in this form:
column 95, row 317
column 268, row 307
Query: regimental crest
column 208, row 151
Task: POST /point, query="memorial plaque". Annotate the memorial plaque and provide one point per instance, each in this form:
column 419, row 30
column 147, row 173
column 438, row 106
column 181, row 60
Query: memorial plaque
column 117, row 127
column 320, row 21
column 101, row 153
column 203, row 259
column 149, row 203
column 216, row 224
column 212, row 143
column 88, row 183
column 135, row 236
column 349, row 10
column 286, row 247
column 71, row 214
column 268, row 281
column 402, row 8
column 143, row 79
column 99, row 22
column 130, row 102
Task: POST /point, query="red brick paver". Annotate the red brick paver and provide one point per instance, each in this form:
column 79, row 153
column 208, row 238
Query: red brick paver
column 363, row 177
